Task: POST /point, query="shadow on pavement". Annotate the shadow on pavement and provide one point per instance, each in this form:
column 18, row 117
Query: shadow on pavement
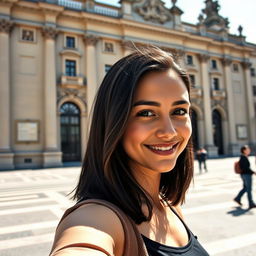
column 238, row 211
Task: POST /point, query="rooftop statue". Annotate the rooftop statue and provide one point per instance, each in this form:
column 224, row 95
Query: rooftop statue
column 212, row 8
column 153, row 10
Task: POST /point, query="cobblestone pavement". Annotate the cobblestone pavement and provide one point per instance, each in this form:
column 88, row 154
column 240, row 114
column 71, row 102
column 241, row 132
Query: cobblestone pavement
column 32, row 201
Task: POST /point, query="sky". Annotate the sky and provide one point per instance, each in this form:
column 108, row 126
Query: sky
column 239, row 12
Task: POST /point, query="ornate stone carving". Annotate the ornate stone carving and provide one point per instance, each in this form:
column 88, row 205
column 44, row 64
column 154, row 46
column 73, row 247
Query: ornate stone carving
column 203, row 57
column 178, row 53
column 71, row 93
column 212, row 8
column 213, row 18
column 226, row 61
column 49, row 32
column 6, row 25
column 91, row 39
column 246, row 64
column 153, row 10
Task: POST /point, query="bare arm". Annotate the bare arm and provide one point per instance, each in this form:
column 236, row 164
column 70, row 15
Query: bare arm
column 91, row 230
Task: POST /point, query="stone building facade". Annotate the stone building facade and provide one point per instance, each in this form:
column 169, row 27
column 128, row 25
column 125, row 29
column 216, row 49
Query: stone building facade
column 55, row 53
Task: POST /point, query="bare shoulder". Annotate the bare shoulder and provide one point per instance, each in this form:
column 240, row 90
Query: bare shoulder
column 91, row 224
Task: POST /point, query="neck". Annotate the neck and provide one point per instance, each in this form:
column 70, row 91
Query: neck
column 150, row 182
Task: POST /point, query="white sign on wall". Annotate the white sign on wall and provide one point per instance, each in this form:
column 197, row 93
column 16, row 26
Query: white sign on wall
column 27, row 131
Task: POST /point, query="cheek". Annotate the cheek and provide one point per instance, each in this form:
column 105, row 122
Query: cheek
column 185, row 129
column 134, row 135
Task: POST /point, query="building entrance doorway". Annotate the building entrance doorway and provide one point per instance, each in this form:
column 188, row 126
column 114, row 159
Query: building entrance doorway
column 217, row 131
column 195, row 139
column 70, row 132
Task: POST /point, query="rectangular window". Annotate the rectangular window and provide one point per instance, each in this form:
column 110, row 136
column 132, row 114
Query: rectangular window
column 235, row 67
column 108, row 47
column 252, row 71
column 189, row 60
column 27, row 35
column 107, row 68
column 215, row 84
column 214, row 64
column 70, row 67
column 70, row 42
column 192, row 80
column 254, row 90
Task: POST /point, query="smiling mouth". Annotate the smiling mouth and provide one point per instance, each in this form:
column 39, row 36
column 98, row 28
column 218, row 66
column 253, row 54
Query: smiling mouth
column 163, row 149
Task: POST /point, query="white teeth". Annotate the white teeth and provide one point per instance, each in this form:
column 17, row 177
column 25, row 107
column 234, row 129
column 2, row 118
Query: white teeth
column 161, row 148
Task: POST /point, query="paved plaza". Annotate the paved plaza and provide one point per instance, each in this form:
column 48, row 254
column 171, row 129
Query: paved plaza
column 32, row 201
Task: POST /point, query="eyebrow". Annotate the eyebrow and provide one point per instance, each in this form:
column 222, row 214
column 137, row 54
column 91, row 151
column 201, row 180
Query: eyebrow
column 157, row 104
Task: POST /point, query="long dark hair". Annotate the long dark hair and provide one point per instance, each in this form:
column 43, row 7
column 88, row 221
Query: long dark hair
column 105, row 172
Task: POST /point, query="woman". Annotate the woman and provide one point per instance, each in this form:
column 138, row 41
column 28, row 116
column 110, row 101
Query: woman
column 246, row 177
column 139, row 158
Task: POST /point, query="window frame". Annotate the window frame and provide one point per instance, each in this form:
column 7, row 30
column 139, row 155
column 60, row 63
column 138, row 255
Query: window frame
column 191, row 61
column 214, row 66
column 213, row 83
column 75, row 40
column 252, row 72
column 75, row 67
column 193, row 81
column 235, row 65
column 104, row 47
column 33, row 30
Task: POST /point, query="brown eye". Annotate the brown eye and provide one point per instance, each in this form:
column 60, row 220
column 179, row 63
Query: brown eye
column 145, row 113
column 180, row 112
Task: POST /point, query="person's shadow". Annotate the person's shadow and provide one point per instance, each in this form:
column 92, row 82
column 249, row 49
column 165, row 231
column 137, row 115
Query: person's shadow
column 238, row 211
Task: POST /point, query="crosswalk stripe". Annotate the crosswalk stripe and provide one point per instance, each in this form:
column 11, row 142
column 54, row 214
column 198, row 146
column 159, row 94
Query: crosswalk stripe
column 29, row 226
column 28, row 209
column 26, row 241
column 209, row 207
column 228, row 244
column 30, row 201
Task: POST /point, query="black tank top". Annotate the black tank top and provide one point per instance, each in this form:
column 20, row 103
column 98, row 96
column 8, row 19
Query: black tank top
column 193, row 248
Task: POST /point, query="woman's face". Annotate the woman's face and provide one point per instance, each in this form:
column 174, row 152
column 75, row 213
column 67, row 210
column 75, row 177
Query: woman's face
column 159, row 125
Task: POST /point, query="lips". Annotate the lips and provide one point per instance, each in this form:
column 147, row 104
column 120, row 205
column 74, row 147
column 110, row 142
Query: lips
column 163, row 149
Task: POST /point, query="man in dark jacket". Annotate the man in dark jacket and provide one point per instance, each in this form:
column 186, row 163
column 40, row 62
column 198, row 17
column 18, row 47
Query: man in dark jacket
column 246, row 176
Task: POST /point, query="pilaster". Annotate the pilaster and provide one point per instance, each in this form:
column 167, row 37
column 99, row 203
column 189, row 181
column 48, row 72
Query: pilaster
column 51, row 156
column 6, row 157
column 91, row 68
column 233, row 145
column 212, row 150
column 250, row 104
column 127, row 47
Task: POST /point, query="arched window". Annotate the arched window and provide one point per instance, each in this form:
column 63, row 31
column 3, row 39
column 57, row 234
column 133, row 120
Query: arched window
column 194, row 120
column 70, row 132
column 217, row 131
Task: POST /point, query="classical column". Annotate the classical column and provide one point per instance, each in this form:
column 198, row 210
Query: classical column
column 51, row 155
column 6, row 157
column 234, row 148
column 212, row 150
column 250, row 104
column 91, row 69
column 127, row 47
column 179, row 56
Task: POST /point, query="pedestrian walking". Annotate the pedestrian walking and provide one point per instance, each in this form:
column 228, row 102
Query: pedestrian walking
column 137, row 167
column 201, row 156
column 246, row 176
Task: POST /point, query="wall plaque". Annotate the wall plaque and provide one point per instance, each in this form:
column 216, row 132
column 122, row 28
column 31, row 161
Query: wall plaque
column 27, row 131
column 241, row 131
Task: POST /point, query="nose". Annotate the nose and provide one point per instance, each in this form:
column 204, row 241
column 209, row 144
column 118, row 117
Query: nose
column 166, row 129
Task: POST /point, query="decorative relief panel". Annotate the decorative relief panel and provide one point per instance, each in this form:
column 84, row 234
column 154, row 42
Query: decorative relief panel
column 71, row 93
